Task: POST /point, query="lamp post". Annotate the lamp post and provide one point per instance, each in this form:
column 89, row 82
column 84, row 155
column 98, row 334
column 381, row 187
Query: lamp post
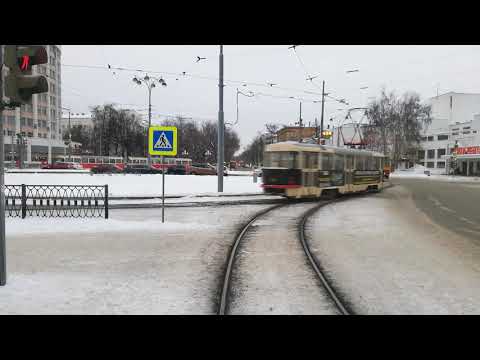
column 149, row 82
column 207, row 154
column 69, row 135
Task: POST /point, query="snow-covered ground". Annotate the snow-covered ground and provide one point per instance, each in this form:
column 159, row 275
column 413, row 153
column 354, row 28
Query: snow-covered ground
column 142, row 185
column 435, row 174
column 386, row 257
column 128, row 264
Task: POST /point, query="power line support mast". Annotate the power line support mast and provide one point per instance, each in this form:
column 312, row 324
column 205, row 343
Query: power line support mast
column 323, row 108
column 221, row 126
column 16, row 89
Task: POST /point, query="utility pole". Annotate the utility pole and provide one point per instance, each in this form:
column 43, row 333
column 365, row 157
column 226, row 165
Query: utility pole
column 221, row 126
column 3, row 249
column 149, row 157
column 323, row 108
column 300, row 123
column 316, row 131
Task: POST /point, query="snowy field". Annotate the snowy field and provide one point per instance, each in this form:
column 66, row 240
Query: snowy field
column 128, row 264
column 142, row 185
column 385, row 256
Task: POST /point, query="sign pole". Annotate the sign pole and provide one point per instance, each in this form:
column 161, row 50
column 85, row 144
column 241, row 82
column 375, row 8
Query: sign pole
column 3, row 249
column 163, row 192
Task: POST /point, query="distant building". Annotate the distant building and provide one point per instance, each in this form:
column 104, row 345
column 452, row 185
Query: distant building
column 76, row 119
column 452, row 142
column 295, row 133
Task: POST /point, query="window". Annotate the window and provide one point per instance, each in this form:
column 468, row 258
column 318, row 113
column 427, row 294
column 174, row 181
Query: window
column 280, row 159
column 466, row 128
column 430, row 165
column 421, row 154
column 466, row 132
column 474, row 131
column 29, row 134
column 311, row 160
column 440, row 152
column 30, row 122
column 455, row 133
column 424, row 138
column 456, row 129
column 339, row 162
column 441, row 164
column 360, row 162
column 326, row 161
column 430, row 138
column 431, row 154
column 442, row 137
column 23, row 121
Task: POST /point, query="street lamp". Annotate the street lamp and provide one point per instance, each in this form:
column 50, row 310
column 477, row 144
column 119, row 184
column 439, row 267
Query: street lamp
column 69, row 142
column 149, row 82
column 207, row 154
column 185, row 153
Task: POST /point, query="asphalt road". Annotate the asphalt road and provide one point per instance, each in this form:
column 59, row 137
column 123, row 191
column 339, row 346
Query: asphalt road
column 453, row 205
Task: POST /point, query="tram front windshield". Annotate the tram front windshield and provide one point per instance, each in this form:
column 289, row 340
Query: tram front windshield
column 280, row 159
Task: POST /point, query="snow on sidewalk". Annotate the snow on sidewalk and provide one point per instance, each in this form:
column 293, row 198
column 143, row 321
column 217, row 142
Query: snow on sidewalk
column 385, row 256
column 129, row 264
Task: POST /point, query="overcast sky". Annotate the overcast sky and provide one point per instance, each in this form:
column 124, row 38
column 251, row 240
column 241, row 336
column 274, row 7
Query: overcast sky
column 401, row 68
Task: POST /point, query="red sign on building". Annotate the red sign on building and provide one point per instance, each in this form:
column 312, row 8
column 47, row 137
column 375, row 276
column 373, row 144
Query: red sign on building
column 469, row 150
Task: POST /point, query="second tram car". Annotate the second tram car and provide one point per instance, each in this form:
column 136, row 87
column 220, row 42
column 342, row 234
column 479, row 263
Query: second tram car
column 298, row 170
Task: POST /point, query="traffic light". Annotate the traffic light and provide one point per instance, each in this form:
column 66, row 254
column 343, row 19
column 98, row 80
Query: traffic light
column 20, row 84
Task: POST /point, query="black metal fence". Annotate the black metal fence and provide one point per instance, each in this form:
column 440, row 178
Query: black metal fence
column 78, row 201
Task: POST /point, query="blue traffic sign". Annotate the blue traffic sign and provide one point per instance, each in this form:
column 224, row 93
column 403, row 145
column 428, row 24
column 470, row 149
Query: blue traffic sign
column 162, row 140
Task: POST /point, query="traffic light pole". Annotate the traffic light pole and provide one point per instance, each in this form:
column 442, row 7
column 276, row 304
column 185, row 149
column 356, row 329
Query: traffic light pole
column 3, row 249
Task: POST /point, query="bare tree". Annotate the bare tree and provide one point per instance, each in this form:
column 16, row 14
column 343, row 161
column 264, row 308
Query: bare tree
column 395, row 125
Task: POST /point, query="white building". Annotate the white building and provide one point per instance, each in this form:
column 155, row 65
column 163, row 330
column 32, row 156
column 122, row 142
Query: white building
column 76, row 119
column 456, row 122
column 39, row 122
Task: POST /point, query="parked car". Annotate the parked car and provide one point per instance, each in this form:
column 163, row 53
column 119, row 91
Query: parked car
column 105, row 169
column 59, row 166
column 75, row 165
column 179, row 169
column 140, row 169
column 202, row 169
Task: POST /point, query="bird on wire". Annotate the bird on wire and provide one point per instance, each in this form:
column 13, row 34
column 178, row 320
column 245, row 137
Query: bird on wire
column 200, row 59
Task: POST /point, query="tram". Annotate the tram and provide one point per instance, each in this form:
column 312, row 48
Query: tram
column 91, row 161
column 302, row 170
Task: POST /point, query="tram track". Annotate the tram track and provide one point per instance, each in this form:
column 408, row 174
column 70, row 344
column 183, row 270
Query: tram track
column 327, row 290
column 314, row 261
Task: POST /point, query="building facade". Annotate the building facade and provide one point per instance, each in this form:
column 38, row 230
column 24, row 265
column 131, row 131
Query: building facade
column 295, row 133
column 449, row 144
column 35, row 129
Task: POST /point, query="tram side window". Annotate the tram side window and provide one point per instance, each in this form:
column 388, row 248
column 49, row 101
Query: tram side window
column 378, row 163
column 359, row 163
column 349, row 159
column 339, row 162
column 326, row 161
column 312, row 160
column 280, row 159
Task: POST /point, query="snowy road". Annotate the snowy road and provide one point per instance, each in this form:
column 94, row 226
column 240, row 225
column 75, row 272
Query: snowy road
column 383, row 255
column 271, row 274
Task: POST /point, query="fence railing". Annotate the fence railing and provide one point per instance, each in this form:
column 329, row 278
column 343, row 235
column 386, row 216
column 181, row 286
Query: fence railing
column 78, row 201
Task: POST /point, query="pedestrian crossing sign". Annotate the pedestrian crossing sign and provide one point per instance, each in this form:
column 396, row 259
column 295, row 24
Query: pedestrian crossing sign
column 162, row 140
